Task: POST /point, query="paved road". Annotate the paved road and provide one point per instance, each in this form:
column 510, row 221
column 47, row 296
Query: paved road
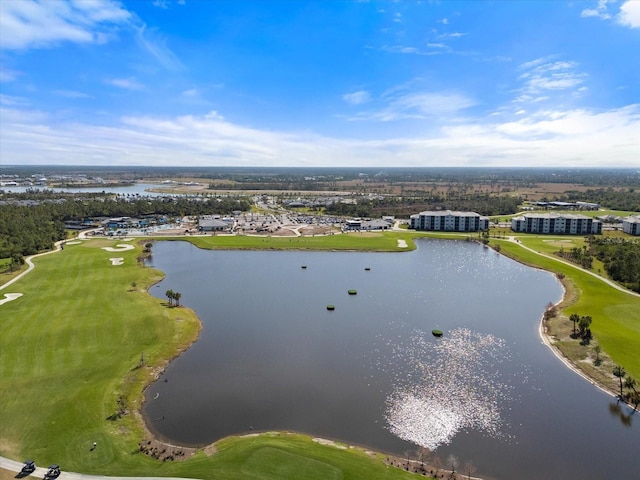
column 14, row 466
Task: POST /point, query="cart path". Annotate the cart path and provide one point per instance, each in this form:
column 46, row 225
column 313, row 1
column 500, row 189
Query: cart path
column 14, row 466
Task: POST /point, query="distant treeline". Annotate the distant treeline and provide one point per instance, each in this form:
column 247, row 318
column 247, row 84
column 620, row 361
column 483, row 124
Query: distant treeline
column 29, row 229
column 627, row 199
column 484, row 204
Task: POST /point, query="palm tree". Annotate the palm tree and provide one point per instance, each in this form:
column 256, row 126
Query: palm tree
column 630, row 383
column 575, row 318
column 619, row 372
column 170, row 295
column 176, row 297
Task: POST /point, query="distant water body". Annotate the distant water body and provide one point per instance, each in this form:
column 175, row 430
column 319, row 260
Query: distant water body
column 271, row 357
column 137, row 189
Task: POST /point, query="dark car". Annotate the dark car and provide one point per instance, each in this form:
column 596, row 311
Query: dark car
column 52, row 472
column 28, row 467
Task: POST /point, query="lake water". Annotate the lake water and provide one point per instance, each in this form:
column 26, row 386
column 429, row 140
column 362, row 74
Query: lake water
column 272, row 357
column 137, row 189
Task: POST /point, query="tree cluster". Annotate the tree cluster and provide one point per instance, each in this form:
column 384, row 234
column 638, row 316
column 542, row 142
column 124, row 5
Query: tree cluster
column 580, row 256
column 174, row 298
column 29, row 229
column 625, row 199
column 621, row 259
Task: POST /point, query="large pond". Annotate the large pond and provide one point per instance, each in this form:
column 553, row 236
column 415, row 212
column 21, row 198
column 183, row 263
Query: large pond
column 370, row 372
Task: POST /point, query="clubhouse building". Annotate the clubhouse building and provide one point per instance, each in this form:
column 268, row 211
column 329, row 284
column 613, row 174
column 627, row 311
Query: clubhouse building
column 554, row 223
column 449, row 221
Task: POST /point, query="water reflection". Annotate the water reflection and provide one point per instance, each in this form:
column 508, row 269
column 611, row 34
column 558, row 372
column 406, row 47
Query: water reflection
column 458, row 387
column 618, row 410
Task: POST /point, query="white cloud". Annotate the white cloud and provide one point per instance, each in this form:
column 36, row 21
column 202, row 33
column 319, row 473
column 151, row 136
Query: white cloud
column 357, row 98
column 155, row 44
column 8, row 75
column 41, row 24
column 125, row 83
column 599, row 11
column 543, row 76
column 578, row 137
column 630, row 14
column 409, row 101
column 71, row 94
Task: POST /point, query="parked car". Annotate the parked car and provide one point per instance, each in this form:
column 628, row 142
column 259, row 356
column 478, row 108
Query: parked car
column 52, row 472
column 28, row 467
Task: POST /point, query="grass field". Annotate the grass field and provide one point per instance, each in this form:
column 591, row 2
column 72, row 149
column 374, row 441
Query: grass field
column 365, row 241
column 72, row 346
column 616, row 314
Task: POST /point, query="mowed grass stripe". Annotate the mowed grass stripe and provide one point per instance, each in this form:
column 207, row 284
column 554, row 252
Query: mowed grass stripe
column 72, row 348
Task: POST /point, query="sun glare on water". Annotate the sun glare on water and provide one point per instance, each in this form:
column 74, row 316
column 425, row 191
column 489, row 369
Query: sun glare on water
column 456, row 387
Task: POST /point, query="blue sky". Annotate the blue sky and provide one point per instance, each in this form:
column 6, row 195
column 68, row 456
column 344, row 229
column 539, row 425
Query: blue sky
column 320, row 83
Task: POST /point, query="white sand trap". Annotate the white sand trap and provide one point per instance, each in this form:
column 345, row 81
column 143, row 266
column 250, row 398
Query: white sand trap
column 72, row 243
column 402, row 244
column 9, row 297
column 117, row 261
column 119, row 248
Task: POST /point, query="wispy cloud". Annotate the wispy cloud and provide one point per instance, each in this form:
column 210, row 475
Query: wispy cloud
column 30, row 24
column 357, row 98
column 544, row 75
column 156, row 44
column 71, row 94
column 579, row 137
column 600, row 11
column 8, row 75
column 402, row 102
column 125, row 83
column 628, row 15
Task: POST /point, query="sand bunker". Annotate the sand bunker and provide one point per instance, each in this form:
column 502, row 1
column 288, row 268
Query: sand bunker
column 402, row 244
column 117, row 261
column 119, row 248
column 9, row 297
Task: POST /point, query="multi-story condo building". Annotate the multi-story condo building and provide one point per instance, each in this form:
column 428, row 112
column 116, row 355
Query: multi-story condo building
column 631, row 225
column 556, row 223
column 449, row 221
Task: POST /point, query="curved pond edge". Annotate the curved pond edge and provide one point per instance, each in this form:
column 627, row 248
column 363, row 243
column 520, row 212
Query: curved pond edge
column 210, row 449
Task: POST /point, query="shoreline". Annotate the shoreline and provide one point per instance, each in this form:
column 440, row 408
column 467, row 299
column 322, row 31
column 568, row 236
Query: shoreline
column 209, row 449
column 542, row 332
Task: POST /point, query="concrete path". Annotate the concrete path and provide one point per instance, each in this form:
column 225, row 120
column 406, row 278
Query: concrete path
column 577, row 267
column 14, row 466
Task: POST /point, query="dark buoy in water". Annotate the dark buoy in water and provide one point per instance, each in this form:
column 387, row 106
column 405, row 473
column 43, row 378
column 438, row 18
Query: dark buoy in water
column 331, row 307
column 437, row 333
column 367, row 268
column 304, row 266
column 352, row 292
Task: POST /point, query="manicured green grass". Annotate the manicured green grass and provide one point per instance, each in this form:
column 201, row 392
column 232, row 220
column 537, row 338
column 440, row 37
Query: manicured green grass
column 365, row 241
column 616, row 314
column 73, row 345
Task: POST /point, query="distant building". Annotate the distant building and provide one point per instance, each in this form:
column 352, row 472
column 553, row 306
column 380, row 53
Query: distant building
column 449, row 221
column 631, row 225
column 213, row 223
column 554, row 223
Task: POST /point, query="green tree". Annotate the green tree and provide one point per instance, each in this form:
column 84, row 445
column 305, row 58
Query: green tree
column 575, row 318
column 177, row 296
column 619, row 372
column 583, row 325
column 170, row 295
